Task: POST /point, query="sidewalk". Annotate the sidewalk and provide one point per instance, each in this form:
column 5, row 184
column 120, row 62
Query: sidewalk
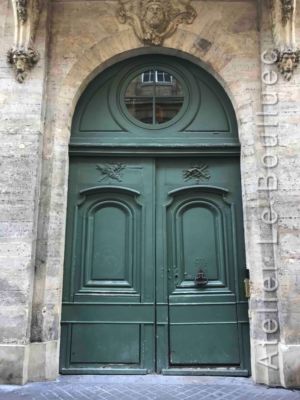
column 149, row 387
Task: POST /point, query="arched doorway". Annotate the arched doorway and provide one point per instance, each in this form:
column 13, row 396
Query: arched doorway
column 154, row 259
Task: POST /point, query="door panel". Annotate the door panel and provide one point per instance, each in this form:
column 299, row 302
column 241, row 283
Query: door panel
column 197, row 233
column 108, row 311
column 202, row 344
column 198, row 243
column 109, row 227
column 200, row 220
column 104, row 338
column 108, row 244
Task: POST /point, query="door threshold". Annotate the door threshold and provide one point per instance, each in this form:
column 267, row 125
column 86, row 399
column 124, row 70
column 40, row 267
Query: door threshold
column 223, row 371
column 103, row 371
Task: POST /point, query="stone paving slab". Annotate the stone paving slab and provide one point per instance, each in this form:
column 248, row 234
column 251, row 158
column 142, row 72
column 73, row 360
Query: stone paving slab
column 146, row 388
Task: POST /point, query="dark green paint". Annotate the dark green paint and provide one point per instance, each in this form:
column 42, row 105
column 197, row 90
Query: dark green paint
column 140, row 225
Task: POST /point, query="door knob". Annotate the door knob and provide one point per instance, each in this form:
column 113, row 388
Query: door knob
column 201, row 279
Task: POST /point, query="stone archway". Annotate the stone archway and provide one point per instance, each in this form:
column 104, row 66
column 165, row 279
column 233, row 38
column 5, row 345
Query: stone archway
column 50, row 245
column 190, row 118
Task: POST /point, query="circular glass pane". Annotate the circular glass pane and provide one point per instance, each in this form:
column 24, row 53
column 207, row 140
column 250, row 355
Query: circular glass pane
column 154, row 97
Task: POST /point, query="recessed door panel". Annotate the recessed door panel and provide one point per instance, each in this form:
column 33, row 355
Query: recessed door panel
column 111, row 226
column 197, row 225
column 109, row 229
column 104, row 348
column 204, row 345
column 198, row 241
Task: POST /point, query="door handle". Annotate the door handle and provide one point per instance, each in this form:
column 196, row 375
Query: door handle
column 201, row 279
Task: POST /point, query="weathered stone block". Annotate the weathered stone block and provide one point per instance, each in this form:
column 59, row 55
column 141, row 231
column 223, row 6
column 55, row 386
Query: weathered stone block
column 14, row 364
column 289, row 357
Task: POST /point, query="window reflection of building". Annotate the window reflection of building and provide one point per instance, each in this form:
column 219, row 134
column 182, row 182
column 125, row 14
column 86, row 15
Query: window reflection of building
column 157, row 77
column 154, row 97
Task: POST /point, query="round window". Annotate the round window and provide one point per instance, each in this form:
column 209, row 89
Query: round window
column 154, row 97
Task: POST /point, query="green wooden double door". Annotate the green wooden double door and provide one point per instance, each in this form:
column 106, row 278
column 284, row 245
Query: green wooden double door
column 154, row 267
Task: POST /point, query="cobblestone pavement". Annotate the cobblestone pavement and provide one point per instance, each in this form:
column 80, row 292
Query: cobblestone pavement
column 145, row 388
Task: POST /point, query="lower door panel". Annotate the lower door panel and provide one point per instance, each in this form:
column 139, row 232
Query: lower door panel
column 199, row 338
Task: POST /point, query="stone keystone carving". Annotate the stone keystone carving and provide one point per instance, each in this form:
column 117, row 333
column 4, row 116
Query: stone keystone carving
column 155, row 20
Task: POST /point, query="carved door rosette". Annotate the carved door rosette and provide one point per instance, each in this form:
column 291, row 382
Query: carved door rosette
column 23, row 56
column 288, row 53
column 155, row 20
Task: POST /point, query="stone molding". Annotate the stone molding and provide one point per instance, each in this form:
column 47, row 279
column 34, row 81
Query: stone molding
column 23, row 55
column 155, row 20
column 288, row 53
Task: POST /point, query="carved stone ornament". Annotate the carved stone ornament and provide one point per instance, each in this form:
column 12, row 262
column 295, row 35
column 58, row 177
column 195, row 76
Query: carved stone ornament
column 155, row 20
column 283, row 15
column 23, row 56
column 288, row 61
column 287, row 7
column 22, row 61
column 22, row 13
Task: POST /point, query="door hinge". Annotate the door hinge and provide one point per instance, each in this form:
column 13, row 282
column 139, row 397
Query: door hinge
column 247, row 287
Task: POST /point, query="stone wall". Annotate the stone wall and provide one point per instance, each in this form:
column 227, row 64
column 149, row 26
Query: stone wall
column 84, row 38
column 286, row 201
column 21, row 129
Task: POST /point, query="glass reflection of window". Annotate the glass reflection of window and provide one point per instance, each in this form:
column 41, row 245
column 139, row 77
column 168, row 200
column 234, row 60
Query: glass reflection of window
column 157, row 77
column 154, row 97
